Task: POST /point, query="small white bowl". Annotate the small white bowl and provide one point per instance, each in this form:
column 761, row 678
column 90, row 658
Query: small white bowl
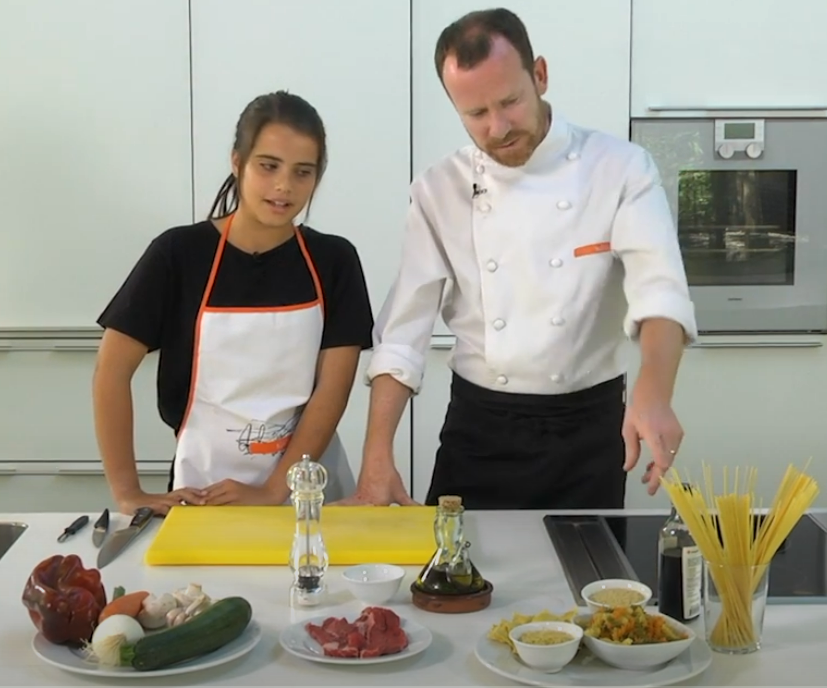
column 373, row 583
column 615, row 584
column 638, row 657
column 547, row 658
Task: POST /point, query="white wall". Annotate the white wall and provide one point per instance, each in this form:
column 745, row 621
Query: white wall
column 740, row 404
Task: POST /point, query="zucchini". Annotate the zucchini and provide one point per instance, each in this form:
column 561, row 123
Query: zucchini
column 219, row 624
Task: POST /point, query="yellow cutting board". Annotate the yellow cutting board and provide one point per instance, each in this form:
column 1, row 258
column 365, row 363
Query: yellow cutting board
column 263, row 535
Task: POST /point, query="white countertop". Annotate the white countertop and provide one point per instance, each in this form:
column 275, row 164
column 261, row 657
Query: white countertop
column 511, row 549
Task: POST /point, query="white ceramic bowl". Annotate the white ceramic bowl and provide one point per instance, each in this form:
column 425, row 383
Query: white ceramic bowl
column 614, row 584
column 373, row 583
column 638, row 657
column 547, row 658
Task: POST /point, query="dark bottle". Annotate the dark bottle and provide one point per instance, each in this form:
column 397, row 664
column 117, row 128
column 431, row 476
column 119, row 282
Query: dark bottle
column 450, row 571
column 680, row 570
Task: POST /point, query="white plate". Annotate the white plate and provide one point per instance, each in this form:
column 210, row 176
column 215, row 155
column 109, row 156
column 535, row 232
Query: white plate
column 588, row 670
column 73, row 661
column 296, row 640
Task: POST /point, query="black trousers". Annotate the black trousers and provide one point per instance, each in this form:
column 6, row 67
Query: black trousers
column 524, row 451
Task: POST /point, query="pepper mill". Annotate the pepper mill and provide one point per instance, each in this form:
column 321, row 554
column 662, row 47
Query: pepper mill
column 308, row 555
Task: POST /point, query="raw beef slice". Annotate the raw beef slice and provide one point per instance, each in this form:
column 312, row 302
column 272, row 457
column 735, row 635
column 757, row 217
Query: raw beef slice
column 376, row 632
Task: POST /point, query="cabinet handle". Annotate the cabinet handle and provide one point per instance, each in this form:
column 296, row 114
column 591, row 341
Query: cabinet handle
column 153, row 471
column 99, row 471
column 80, row 471
column 443, row 342
column 8, row 471
column 756, row 345
column 32, row 348
column 735, row 108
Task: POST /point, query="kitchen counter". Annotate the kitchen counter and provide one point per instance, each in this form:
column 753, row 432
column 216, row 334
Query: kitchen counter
column 511, row 549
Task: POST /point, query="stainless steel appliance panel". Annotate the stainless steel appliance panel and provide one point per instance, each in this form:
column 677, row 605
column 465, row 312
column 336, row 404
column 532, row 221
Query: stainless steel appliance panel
column 750, row 203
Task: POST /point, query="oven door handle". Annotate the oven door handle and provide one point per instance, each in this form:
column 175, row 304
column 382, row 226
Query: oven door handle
column 736, row 108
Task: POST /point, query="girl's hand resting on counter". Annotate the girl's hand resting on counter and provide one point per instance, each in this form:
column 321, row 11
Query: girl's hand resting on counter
column 240, row 494
column 160, row 503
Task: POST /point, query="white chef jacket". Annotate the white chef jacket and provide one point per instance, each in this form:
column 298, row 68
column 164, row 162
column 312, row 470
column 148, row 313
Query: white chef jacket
column 541, row 272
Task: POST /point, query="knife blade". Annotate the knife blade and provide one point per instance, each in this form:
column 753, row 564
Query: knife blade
column 121, row 539
column 101, row 527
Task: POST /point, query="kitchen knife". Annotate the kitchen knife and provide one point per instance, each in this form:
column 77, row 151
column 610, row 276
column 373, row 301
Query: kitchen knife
column 121, row 539
column 101, row 528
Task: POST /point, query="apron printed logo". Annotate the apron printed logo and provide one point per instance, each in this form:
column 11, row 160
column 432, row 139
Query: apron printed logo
column 257, row 438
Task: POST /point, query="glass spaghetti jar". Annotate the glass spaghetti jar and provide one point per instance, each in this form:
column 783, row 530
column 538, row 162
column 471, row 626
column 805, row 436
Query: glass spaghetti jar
column 450, row 570
column 680, row 570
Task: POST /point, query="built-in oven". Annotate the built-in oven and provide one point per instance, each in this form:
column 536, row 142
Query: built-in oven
column 749, row 197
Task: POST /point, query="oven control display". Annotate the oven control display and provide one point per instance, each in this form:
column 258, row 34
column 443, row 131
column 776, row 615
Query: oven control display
column 739, row 130
column 741, row 136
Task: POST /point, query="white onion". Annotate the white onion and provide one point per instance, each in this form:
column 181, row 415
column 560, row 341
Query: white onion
column 110, row 635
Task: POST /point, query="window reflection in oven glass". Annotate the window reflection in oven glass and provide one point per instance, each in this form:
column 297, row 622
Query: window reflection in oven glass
column 737, row 227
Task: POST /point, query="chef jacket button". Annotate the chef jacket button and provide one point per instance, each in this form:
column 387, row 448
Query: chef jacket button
column 502, row 380
column 485, row 207
column 499, row 324
column 556, row 377
column 563, row 205
column 573, row 155
column 556, row 320
column 480, row 169
column 491, row 265
column 555, row 262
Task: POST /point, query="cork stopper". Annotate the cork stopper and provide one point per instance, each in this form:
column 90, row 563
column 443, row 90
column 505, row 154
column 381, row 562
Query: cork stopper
column 450, row 503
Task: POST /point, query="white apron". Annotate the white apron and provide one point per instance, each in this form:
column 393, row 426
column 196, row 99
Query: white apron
column 253, row 371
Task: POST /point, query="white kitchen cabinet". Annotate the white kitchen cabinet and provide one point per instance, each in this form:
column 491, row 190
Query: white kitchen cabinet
column 95, row 154
column 69, row 488
column 429, row 408
column 750, row 407
column 692, row 55
column 47, row 416
column 585, row 42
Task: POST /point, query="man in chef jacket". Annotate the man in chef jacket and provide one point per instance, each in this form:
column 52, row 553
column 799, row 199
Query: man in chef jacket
column 556, row 244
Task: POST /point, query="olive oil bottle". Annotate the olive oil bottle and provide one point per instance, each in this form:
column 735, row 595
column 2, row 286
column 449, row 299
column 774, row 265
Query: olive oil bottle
column 450, row 571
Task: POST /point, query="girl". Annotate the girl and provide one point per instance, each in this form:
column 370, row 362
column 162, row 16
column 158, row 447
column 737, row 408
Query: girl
column 259, row 324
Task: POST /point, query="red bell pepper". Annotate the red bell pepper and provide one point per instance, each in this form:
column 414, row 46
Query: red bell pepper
column 64, row 599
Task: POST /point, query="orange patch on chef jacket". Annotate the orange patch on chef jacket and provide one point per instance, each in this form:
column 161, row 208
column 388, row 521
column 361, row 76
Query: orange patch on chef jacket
column 591, row 249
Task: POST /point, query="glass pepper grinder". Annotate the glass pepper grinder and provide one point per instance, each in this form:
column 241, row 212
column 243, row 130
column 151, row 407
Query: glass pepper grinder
column 308, row 555
column 450, row 571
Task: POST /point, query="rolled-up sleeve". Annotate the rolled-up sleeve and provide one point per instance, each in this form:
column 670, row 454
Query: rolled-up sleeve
column 405, row 323
column 645, row 239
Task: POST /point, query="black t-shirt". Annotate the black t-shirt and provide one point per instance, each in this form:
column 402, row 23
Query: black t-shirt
column 159, row 301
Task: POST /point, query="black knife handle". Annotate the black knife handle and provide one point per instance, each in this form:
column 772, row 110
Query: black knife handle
column 142, row 517
column 77, row 525
column 103, row 521
column 70, row 530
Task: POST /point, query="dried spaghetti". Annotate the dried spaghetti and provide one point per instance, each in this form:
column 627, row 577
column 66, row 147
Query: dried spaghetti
column 737, row 542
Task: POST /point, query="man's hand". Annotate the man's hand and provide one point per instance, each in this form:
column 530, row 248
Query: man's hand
column 159, row 503
column 652, row 421
column 240, row 494
column 380, row 486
